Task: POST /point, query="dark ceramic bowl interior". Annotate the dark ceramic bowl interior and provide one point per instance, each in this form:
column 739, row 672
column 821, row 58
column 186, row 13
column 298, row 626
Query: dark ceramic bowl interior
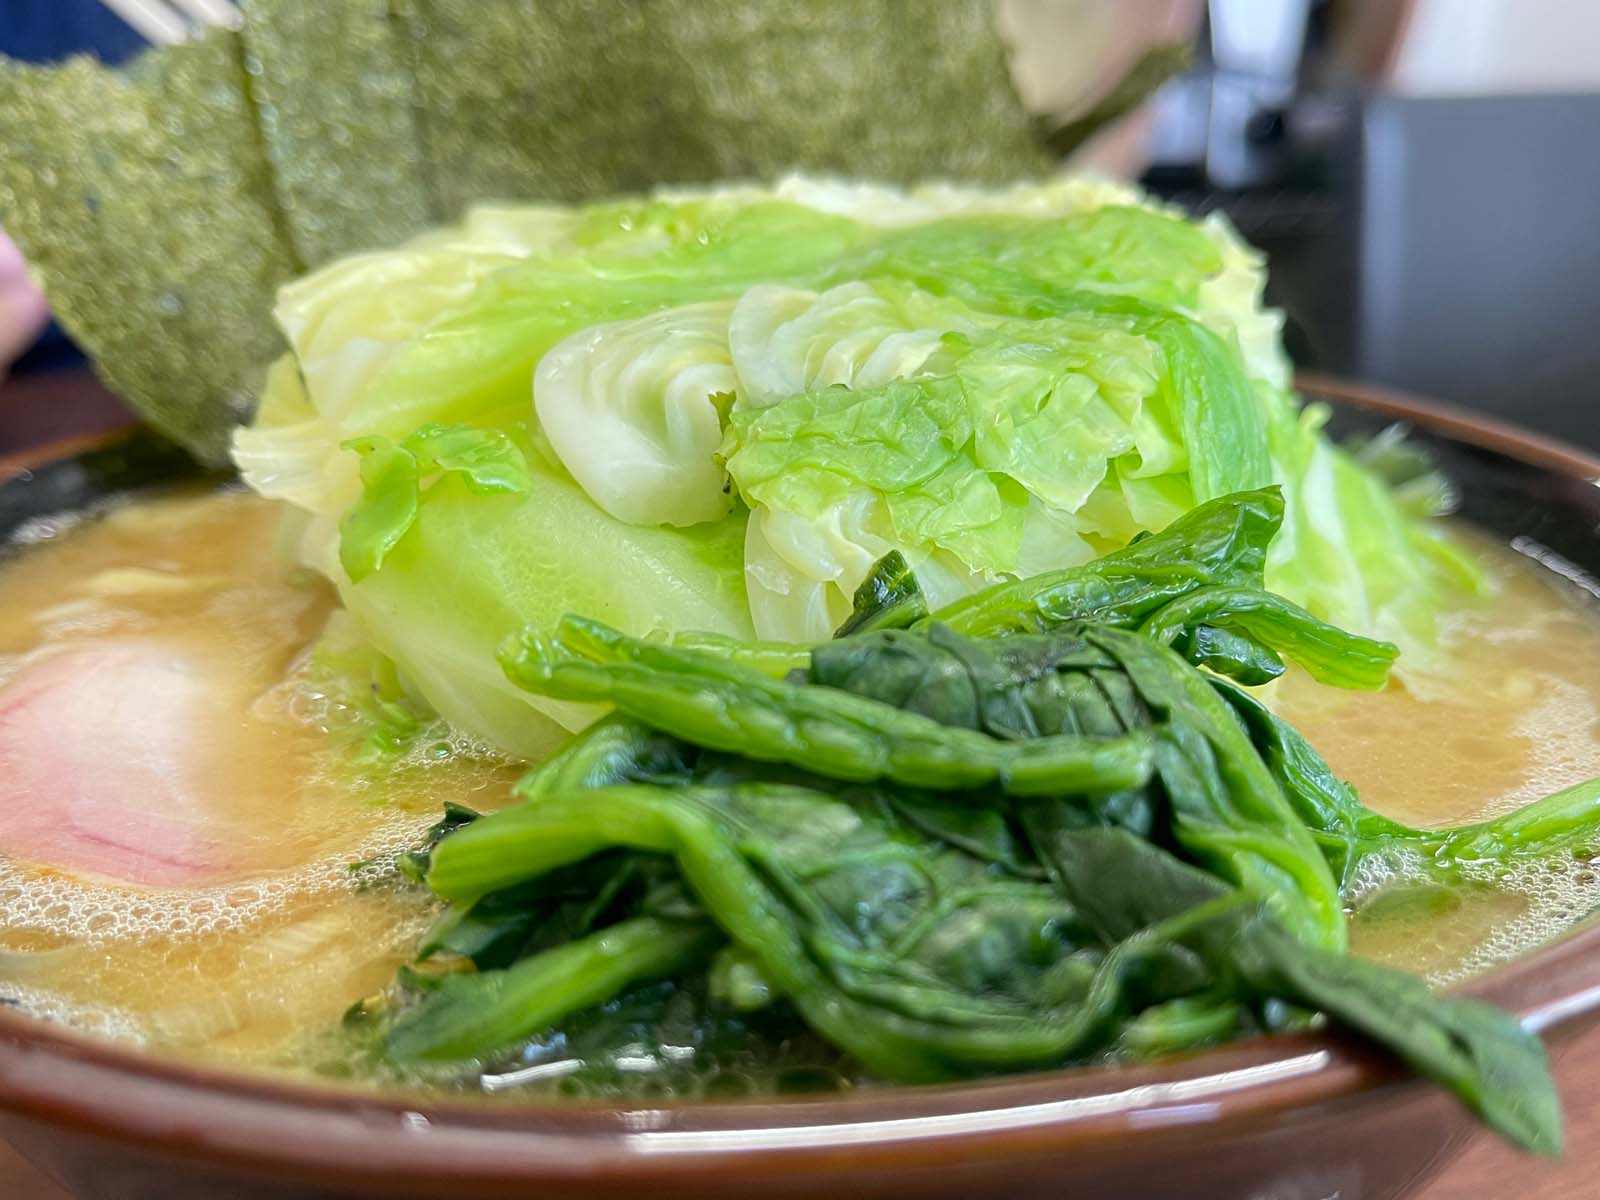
column 1288, row 1117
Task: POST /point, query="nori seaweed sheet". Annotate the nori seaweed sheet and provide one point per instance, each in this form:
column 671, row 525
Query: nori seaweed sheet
column 162, row 204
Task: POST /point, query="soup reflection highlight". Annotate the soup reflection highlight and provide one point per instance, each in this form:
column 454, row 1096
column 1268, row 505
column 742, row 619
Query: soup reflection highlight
column 183, row 802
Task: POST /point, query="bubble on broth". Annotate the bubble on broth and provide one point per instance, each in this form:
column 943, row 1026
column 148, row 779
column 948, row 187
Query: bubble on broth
column 303, row 698
column 237, row 969
column 244, row 971
column 48, row 906
column 95, row 1019
column 1561, row 729
column 1509, row 715
column 1499, row 912
column 1559, row 893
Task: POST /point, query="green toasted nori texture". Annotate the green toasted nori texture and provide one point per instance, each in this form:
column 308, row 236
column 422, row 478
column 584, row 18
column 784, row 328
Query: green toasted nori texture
column 340, row 120
column 568, row 100
column 145, row 204
column 163, row 204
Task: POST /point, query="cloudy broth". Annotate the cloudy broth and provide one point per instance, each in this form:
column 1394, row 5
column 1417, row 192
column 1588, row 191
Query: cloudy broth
column 201, row 896
column 182, row 802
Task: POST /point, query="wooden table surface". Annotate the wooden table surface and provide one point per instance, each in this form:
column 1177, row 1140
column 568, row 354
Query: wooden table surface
column 43, row 408
column 47, row 407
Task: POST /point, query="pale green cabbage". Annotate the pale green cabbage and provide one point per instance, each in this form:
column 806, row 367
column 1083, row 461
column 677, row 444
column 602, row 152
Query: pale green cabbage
column 716, row 409
column 634, row 410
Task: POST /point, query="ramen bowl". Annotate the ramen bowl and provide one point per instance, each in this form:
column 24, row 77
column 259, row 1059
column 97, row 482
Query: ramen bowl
column 1307, row 1115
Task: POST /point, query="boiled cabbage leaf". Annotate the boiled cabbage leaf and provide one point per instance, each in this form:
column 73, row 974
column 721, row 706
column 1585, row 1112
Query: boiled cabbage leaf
column 716, row 410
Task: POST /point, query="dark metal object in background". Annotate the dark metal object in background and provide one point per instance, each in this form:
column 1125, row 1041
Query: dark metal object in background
column 1479, row 255
column 43, row 405
column 109, row 468
column 1225, row 118
column 1256, row 48
column 1450, row 245
column 1447, row 245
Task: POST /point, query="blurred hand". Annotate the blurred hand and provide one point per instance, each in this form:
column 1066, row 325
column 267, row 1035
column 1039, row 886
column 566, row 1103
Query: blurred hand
column 22, row 308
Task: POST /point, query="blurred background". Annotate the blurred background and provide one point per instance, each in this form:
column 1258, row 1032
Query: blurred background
column 1424, row 176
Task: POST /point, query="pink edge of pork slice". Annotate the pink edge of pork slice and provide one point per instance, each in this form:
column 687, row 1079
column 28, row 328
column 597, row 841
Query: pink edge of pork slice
column 97, row 766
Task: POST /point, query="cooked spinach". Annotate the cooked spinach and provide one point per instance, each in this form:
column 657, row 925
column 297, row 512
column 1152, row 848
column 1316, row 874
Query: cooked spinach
column 1218, row 544
column 709, row 699
column 1209, row 793
column 889, row 598
column 1039, row 827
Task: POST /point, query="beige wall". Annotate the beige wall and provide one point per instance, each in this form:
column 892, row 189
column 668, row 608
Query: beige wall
column 1470, row 47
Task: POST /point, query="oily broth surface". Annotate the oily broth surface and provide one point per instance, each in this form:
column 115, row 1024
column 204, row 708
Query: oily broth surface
column 254, row 967
column 1510, row 714
column 241, row 965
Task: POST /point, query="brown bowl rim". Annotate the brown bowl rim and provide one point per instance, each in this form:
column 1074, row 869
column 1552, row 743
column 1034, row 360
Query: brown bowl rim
column 326, row 1133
